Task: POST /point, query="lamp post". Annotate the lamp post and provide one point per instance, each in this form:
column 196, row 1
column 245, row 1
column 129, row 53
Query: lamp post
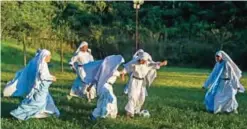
column 137, row 4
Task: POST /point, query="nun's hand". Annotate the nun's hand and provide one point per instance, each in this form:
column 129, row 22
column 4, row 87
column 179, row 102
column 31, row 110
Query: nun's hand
column 54, row 78
column 164, row 63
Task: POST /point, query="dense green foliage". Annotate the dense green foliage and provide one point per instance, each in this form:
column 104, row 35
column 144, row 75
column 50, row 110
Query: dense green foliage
column 175, row 101
column 185, row 33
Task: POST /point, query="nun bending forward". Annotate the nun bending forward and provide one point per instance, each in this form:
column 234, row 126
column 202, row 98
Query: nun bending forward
column 38, row 103
column 223, row 85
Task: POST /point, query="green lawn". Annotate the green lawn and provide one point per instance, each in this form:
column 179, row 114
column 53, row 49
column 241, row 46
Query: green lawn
column 175, row 101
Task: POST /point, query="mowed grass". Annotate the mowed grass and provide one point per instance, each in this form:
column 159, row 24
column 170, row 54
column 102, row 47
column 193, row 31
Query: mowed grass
column 175, row 101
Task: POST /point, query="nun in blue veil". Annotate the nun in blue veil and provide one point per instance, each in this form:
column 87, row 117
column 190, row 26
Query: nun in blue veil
column 223, row 84
column 38, row 103
column 23, row 80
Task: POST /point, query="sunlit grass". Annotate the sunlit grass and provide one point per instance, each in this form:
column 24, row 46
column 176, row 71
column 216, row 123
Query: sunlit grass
column 175, row 101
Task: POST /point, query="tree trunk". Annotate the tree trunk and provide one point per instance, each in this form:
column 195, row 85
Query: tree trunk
column 24, row 51
column 61, row 55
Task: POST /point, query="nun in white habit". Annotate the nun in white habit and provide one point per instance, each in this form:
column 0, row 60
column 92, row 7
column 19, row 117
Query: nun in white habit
column 137, row 88
column 223, row 85
column 152, row 74
column 38, row 103
column 135, row 56
column 81, row 57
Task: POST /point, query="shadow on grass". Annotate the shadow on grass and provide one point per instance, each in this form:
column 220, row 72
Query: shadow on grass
column 6, row 108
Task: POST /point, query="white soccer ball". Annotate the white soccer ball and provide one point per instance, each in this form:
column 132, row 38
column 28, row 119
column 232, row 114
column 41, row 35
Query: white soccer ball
column 145, row 113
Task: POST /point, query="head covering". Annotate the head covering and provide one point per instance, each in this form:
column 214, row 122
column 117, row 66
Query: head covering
column 24, row 79
column 41, row 59
column 107, row 69
column 138, row 53
column 83, row 43
column 145, row 56
column 225, row 57
column 236, row 72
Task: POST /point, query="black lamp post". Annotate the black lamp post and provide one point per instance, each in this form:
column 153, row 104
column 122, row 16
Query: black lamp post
column 137, row 5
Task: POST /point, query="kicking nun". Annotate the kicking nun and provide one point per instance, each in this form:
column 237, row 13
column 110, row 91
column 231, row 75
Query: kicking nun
column 137, row 87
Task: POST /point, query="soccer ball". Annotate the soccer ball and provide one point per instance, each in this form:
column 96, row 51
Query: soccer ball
column 145, row 113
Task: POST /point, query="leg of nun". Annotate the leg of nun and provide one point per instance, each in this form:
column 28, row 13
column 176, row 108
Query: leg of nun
column 112, row 109
column 134, row 93
column 97, row 111
column 225, row 100
column 51, row 107
column 141, row 100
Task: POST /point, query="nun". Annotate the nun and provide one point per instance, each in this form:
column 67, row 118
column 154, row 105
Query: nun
column 135, row 56
column 38, row 103
column 152, row 74
column 223, row 84
column 23, row 81
column 137, row 88
column 81, row 57
column 106, row 77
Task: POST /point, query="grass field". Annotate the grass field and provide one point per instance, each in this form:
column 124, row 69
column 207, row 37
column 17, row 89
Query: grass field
column 175, row 101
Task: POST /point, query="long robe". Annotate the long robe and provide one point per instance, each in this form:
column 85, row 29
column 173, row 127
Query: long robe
column 223, row 87
column 137, row 90
column 107, row 101
column 38, row 103
column 79, row 86
column 148, row 80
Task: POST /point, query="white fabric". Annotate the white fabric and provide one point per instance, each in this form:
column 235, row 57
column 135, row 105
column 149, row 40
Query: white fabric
column 137, row 89
column 225, row 100
column 236, row 72
column 106, row 70
column 84, row 43
column 81, row 58
column 42, row 68
column 145, row 56
column 23, row 80
column 83, row 73
column 138, row 53
column 107, row 102
column 152, row 74
column 223, row 85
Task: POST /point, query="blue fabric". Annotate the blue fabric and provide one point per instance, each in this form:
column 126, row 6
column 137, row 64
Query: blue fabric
column 214, row 87
column 38, row 100
column 24, row 80
column 90, row 70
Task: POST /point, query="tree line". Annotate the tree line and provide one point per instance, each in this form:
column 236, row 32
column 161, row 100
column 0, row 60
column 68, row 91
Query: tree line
column 187, row 33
